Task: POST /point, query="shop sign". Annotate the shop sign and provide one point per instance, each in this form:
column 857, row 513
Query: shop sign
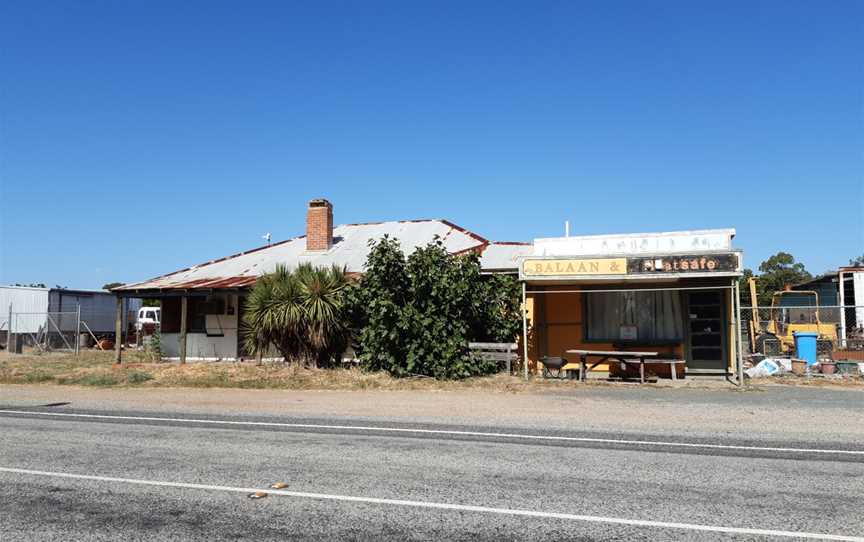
column 699, row 263
column 575, row 267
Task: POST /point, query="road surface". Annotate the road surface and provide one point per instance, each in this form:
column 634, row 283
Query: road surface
column 106, row 474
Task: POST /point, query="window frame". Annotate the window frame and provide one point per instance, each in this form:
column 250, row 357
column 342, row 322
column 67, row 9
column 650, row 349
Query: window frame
column 629, row 342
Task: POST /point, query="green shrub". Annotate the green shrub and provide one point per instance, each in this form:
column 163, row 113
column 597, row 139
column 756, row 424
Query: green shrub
column 138, row 377
column 154, row 346
column 416, row 315
column 97, row 379
column 299, row 313
column 33, row 378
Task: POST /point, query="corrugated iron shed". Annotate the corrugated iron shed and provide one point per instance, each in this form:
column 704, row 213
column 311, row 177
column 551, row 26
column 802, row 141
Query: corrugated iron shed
column 30, row 305
column 349, row 250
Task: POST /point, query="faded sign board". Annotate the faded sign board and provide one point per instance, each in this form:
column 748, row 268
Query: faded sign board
column 667, row 265
column 637, row 244
column 683, row 264
column 565, row 267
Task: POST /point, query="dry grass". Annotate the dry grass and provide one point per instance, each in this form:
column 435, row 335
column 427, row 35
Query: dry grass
column 817, row 381
column 94, row 368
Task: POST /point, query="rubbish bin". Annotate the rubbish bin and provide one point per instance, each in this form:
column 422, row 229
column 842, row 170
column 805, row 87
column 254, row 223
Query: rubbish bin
column 805, row 346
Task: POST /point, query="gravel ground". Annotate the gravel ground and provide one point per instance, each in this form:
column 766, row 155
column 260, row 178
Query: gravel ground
column 769, row 412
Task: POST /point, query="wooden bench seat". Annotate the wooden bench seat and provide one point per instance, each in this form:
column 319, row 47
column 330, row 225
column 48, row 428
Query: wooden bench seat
column 497, row 352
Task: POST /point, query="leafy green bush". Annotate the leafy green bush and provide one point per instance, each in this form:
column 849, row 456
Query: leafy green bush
column 416, row 315
column 154, row 345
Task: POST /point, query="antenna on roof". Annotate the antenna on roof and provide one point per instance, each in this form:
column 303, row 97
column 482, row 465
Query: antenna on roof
column 266, row 237
column 566, row 228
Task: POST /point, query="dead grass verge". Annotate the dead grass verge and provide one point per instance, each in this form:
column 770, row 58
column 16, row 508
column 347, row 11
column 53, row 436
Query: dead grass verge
column 93, row 368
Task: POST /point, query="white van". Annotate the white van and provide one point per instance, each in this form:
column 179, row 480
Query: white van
column 148, row 315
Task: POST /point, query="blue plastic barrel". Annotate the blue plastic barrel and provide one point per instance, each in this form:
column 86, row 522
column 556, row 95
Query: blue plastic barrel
column 805, row 346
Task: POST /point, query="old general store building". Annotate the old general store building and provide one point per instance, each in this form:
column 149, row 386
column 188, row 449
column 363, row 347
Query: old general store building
column 673, row 292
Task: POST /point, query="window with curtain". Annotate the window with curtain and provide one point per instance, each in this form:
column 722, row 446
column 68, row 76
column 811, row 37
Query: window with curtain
column 634, row 316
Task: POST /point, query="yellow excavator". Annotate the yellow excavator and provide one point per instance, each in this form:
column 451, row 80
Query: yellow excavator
column 776, row 336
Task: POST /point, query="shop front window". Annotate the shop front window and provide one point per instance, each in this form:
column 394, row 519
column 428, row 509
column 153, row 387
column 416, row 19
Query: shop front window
column 633, row 317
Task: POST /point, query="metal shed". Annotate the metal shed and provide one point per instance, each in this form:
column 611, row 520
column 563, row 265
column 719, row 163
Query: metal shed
column 98, row 307
column 30, row 302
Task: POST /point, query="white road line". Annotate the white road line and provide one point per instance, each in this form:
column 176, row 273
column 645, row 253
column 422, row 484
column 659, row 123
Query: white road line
column 450, row 432
column 447, row 506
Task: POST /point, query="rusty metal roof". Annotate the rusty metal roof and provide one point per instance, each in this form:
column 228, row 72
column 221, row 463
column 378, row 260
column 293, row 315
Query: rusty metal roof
column 349, row 250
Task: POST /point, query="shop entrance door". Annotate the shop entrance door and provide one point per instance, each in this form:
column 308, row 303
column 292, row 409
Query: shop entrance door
column 706, row 332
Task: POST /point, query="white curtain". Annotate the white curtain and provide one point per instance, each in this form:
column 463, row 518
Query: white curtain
column 655, row 315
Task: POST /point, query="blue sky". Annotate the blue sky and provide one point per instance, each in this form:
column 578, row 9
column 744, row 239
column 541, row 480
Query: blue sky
column 137, row 138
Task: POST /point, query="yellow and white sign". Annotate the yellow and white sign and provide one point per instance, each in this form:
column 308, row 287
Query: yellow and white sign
column 574, row 267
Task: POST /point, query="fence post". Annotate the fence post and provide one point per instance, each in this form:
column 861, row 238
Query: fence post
column 739, row 354
column 118, row 331
column 77, row 337
column 524, row 331
column 9, row 336
column 842, row 310
column 184, row 304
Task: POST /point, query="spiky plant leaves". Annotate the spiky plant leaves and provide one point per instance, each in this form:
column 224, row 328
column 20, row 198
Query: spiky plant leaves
column 300, row 313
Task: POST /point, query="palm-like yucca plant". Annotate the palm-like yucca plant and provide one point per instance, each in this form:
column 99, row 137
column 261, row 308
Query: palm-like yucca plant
column 301, row 314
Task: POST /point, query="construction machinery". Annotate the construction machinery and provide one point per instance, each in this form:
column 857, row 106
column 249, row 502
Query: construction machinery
column 776, row 336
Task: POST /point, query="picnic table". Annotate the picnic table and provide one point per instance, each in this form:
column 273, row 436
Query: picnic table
column 605, row 355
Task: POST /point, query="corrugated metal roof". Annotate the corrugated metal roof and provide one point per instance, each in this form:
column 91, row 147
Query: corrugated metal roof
column 350, row 248
column 500, row 256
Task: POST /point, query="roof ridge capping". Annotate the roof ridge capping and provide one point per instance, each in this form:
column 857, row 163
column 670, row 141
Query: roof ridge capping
column 477, row 237
column 378, row 222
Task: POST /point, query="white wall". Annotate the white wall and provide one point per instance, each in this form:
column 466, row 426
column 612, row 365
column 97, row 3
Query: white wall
column 858, row 292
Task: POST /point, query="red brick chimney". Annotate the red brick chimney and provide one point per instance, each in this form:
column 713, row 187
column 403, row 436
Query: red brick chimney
column 319, row 225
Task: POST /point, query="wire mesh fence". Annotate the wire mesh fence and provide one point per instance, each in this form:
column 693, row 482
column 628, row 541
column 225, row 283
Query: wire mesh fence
column 68, row 330
column 770, row 331
column 43, row 331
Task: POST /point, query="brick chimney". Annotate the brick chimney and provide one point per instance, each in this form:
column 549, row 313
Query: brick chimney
column 319, row 225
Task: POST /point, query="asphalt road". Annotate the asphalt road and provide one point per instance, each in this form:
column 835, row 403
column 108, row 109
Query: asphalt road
column 135, row 475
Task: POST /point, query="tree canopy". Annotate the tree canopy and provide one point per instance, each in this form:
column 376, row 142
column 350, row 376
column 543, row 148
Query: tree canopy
column 776, row 273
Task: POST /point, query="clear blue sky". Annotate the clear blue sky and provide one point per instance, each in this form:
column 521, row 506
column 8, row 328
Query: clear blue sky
column 137, row 138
